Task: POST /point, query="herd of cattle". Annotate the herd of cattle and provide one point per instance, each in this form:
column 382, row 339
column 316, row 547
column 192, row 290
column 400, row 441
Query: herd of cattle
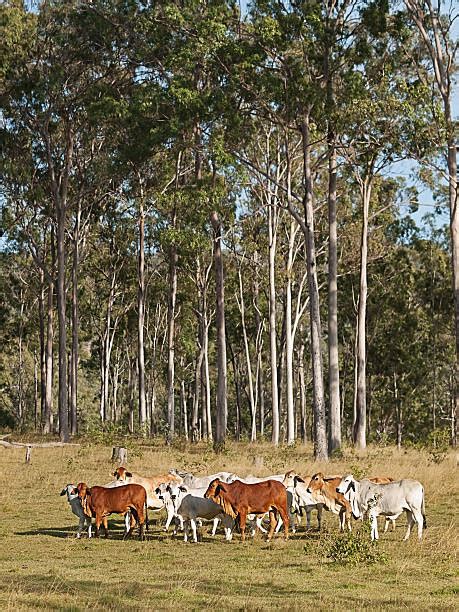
column 227, row 499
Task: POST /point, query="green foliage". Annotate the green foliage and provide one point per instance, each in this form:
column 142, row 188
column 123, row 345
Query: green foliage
column 355, row 548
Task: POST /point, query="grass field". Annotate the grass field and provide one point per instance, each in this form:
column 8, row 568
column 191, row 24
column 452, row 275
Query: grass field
column 42, row 564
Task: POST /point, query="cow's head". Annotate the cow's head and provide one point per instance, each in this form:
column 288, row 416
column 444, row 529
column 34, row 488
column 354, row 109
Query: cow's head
column 348, row 487
column 316, row 483
column 121, row 473
column 84, row 493
column 215, row 488
column 71, row 492
column 176, row 493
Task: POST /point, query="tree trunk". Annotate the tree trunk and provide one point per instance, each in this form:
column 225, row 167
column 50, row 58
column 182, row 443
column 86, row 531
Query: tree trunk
column 222, row 410
column 320, row 426
column 48, row 416
column 272, row 237
column 289, row 337
column 171, row 342
column 61, row 214
column 75, row 326
column 41, row 316
column 360, row 424
column 302, row 386
column 334, row 441
column 253, row 408
column 143, row 422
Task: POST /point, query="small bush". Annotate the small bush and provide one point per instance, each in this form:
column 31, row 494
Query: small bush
column 355, row 548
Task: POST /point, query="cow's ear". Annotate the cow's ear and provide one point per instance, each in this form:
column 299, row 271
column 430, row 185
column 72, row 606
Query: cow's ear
column 129, row 474
column 297, row 479
column 221, row 487
column 351, row 486
column 115, row 473
column 183, row 488
column 63, row 492
column 168, row 489
column 157, row 491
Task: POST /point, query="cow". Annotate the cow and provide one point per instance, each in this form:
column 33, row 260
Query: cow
column 238, row 499
column 75, row 505
column 100, row 502
column 250, row 479
column 302, row 499
column 389, row 499
column 123, row 476
column 323, row 490
column 197, row 482
column 189, row 505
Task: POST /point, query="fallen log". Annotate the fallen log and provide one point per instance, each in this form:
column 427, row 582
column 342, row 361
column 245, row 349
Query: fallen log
column 36, row 444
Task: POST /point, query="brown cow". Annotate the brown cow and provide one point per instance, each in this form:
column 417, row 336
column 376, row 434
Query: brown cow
column 239, row 499
column 324, row 491
column 101, row 502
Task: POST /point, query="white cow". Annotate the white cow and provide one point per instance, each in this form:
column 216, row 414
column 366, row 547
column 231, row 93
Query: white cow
column 198, row 482
column 190, row 505
column 389, row 500
column 297, row 486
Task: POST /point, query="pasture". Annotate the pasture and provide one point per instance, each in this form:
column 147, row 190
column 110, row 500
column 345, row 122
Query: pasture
column 42, row 564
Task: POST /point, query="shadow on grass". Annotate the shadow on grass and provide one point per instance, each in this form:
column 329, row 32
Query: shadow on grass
column 115, row 531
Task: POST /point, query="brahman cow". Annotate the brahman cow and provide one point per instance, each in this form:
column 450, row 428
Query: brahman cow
column 189, row 505
column 101, row 502
column 77, row 509
column 302, row 499
column 197, row 482
column 238, row 499
column 323, row 490
column 123, row 476
column 389, row 499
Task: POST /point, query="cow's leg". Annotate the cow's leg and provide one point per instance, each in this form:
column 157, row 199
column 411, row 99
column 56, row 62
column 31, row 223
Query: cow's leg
column 80, row 526
column 141, row 521
column 185, row 530
column 419, row 518
column 272, row 524
column 308, row 517
column 193, row 529
column 279, row 524
column 374, row 525
column 342, row 519
column 409, row 525
column 242, row 522
column 105, row 523
column 98, row 522
column 88, row 522
column 215, row 525
column 319, row 516
column 285, row 520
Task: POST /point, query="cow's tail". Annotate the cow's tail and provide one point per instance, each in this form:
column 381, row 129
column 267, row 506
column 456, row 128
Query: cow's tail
column 423, row 509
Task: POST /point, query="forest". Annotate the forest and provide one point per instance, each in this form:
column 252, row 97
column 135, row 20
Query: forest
column 227, row 220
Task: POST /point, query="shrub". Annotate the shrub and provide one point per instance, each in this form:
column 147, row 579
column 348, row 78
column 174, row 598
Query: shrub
column 355, row 548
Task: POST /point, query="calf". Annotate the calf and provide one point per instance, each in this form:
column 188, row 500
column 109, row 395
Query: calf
column 238, row 499
column 77, row 509
column 298, row 487
column 101, row 502
column 323, row 490
column 189, row 505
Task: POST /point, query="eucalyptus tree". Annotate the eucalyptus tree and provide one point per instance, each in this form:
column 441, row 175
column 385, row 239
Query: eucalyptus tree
column 436, row 23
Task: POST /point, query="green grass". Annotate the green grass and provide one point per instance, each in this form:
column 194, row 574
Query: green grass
column 42, row 564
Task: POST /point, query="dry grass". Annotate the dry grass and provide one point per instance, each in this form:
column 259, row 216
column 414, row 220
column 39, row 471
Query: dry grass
column 42, row 565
